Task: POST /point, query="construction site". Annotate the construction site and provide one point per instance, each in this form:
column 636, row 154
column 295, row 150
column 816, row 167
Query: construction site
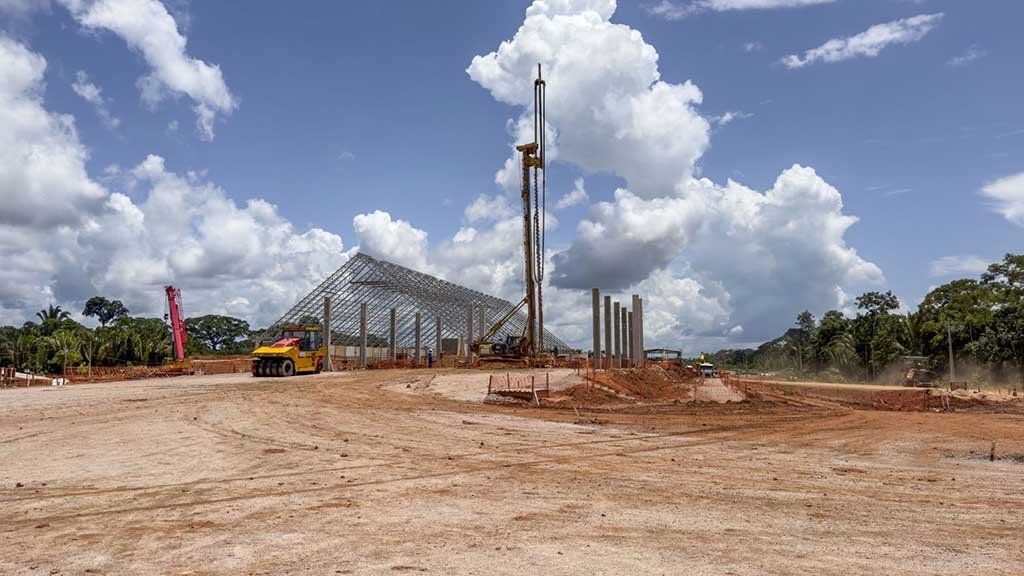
column 391, row 421
column 397, row 422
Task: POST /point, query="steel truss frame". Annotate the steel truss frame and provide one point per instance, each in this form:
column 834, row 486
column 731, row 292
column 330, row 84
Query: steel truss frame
column 383, row 286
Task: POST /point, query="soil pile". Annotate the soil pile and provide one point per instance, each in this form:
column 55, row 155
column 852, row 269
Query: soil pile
column 653, row 383
column 584, row 394
column 626, row 386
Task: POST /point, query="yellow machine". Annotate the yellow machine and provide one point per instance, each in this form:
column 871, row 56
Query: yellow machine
column 300, row 350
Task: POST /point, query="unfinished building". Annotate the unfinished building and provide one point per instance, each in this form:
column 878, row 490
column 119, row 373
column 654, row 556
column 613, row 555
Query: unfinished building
column 405, row 312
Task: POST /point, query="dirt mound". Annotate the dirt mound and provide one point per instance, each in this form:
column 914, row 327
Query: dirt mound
column 653, row 383
column 583, row 395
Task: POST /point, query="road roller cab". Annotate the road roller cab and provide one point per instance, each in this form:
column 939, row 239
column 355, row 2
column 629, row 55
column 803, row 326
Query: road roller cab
column 299, row 350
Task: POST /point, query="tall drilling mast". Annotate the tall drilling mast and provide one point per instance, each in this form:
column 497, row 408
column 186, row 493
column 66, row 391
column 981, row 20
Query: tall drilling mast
column 534, row 206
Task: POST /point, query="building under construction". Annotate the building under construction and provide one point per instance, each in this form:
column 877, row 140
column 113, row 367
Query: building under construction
column 378, row 310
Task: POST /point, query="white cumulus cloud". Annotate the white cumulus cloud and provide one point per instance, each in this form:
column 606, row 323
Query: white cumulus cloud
column 1006, row 196
column 64, row 237
column 43, row 180
column 869, row 43
column 395, row 240
column 578, row 195
column 731, row 256
column 958, row 265
column 488, row 208
column 612, row 113
column 147, row 26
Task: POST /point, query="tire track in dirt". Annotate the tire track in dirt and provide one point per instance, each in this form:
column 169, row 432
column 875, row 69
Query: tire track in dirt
column 733, row 433
column 15, row 523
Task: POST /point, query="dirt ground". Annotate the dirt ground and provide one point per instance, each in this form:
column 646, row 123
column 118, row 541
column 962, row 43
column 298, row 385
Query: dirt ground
column 358, row 473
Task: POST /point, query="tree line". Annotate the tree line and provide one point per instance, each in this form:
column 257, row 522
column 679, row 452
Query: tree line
column 983, row 320
column 54, row 342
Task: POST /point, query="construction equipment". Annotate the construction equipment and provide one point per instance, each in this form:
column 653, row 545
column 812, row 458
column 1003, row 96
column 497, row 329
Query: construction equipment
column 300, row 350
column 916, row 373
column 178, row 334
column 534, row 207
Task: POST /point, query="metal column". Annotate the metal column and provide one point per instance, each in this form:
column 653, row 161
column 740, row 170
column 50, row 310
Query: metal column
column 419, row 343
column 469, row 337
column 596, row 296
column 480, row 323
column 393, row 344
column 437, row 341
column 617, row 332
column 327, row 332
column 362, row 335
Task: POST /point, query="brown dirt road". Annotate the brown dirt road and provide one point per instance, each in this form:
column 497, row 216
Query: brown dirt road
column 347, row 474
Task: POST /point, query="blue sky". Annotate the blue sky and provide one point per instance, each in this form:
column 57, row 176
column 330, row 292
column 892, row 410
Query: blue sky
column 349, row 108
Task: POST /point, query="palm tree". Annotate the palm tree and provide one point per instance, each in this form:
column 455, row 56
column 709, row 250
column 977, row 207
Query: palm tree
column 93, row 343
column 842, row 350
column 52, row 313
column 20, row 349
column 64, row 342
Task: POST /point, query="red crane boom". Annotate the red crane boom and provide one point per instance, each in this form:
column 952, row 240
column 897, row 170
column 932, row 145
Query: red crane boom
column 177, row 323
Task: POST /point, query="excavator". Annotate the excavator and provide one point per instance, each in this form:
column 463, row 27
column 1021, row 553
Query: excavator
column 534, row 207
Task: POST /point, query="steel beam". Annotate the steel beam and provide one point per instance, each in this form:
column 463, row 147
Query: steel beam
column 362, row 335
column 327, row 333
column 419, row 347
column 393, row 343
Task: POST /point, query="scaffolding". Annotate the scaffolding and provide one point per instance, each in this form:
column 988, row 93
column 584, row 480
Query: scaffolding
column 384, row 286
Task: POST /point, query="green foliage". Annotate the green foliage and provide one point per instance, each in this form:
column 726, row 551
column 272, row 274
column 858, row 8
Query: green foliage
column 983, row 319
column 56, row 341
column 104, row 310
column 217, row 332
column 52, row 313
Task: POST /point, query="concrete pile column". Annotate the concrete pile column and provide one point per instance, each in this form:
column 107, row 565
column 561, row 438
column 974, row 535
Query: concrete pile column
column 617, row 331
column 327, row 333
column 419, row 342
column 625, row 336
column 607, row 332
column 362, row 335
column 640, row 334
column 469, row 337
column 393, row 344
column 632, row 344
column 635, row 326
column 437, row 341
column 596, row 296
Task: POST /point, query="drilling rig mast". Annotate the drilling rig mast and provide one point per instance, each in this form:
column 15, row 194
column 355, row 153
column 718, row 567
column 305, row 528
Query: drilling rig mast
column 534, row 200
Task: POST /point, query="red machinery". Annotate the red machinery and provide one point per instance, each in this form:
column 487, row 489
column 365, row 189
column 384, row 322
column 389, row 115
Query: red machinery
column 177, row 323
